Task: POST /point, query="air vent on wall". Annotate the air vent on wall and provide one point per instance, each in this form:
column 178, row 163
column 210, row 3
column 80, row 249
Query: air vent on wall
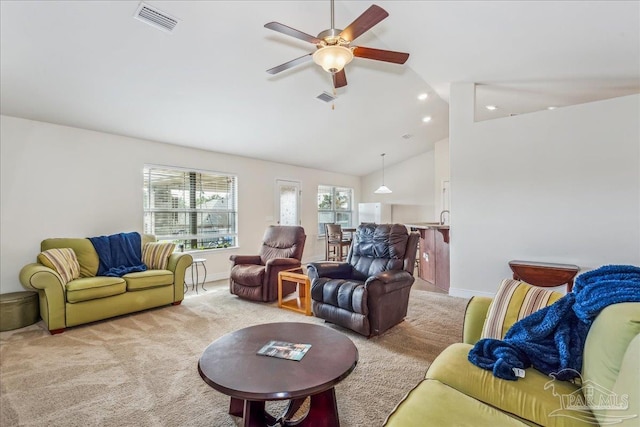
column 326, row 97
column 156, row 18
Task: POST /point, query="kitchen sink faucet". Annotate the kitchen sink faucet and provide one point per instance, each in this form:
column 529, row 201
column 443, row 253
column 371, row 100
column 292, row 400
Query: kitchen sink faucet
column 442, row 216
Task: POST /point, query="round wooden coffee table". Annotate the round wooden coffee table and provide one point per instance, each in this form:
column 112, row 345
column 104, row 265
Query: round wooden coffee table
column 231, row 366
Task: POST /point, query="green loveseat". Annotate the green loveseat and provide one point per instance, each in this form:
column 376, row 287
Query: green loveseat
column 90, row 298
column 457, row 393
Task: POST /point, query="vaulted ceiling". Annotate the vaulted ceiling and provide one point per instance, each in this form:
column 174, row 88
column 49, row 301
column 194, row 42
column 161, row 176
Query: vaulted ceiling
column 90, row 64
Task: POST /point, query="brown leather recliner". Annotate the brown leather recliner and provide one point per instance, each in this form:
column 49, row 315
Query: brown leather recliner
column 255, row 277
column 369, row 293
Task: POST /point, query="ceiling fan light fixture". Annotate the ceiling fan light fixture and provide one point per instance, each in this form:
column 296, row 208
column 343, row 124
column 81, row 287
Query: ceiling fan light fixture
column 333, row 58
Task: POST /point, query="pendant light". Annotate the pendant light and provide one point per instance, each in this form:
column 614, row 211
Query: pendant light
column 383, row 189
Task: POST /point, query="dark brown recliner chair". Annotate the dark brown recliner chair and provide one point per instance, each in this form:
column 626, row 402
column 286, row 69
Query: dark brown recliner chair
column 255, row 277
column 369, row 293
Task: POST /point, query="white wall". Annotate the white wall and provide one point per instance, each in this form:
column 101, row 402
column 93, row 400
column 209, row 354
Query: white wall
column 441, row 173
column 555, row 186
column 59, row 181
column 412, row 186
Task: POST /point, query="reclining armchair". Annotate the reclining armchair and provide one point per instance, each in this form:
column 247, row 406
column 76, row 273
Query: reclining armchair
column 369, row 293
column 255, row 277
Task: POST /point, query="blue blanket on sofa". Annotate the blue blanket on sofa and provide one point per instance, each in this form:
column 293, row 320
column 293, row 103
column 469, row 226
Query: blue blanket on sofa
column 552, row 339
column 119, row 254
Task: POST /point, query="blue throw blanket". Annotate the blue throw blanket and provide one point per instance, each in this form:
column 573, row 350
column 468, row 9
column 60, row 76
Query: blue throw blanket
column 119, row 254
column 552, row 339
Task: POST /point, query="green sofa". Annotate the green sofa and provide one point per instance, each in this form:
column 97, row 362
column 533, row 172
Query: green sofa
column 90, row 298
column 457, row 393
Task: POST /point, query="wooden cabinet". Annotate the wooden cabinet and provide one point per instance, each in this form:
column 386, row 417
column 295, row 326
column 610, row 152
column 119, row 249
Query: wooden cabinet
column 434, row 256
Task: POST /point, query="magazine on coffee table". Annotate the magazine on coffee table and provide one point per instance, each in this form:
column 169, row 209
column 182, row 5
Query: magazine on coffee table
column 284, row 350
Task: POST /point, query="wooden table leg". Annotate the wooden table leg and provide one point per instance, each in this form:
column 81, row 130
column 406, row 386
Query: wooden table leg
column 253, row 415
column 252, row 412
column 236, row 407
column 323, row 411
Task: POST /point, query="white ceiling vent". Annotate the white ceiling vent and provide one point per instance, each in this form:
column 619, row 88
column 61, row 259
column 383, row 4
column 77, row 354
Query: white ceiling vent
column 156, row 18
column 326, row 97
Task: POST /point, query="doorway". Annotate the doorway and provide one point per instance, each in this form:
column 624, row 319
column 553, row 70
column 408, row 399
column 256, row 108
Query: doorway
column 288, row 202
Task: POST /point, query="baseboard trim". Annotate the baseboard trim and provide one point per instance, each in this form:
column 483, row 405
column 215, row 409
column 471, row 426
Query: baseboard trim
column 211, row 277
column 468, row 293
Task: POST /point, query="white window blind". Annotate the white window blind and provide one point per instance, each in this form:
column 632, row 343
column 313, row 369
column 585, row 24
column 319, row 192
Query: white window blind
column 335, row 206
column 195, row 209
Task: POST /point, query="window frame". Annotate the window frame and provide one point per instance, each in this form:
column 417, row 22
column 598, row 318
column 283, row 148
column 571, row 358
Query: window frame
column 194, row 184
column 335, row 211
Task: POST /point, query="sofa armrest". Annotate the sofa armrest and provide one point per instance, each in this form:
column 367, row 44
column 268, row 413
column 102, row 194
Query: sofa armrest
column 627, row 384
column 474, row 317
column 331, row 270
column 275, row 265
column 286, row 262
column 391, row 276
column 245, row 259
column 178, row 263
column 51, row 292
column 386, row 282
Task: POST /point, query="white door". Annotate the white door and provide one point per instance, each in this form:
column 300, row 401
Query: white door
column 288, row 203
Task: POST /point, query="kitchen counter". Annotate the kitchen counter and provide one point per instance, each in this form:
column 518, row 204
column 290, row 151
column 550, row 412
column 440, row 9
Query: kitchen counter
column 425, row 225
column 443, row 228
column 433, row 252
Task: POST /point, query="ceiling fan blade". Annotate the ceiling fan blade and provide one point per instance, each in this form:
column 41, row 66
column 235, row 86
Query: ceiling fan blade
column 290, row 64
column 364, row 22
column 380, row 55
column 281, row 28
column 339, row 79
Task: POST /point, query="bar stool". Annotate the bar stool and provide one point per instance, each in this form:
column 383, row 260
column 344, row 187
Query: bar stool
column 335, row 242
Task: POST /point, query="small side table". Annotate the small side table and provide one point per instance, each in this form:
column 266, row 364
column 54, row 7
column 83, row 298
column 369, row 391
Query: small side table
column 545, row 274
column 195, row 274
column 301, row 304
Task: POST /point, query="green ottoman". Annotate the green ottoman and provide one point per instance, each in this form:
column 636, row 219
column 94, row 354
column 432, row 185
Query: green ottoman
column 18, row 309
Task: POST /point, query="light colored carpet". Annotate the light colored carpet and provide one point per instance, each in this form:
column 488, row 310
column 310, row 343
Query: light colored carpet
column 141, row 369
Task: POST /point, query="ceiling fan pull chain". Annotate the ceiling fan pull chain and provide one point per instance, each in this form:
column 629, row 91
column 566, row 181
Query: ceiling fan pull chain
column 333, row 104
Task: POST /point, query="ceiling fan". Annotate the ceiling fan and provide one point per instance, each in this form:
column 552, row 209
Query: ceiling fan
column 333, row 46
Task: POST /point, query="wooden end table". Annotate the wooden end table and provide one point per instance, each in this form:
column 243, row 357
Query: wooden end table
column 544, row 274
column 231, row 366
column 301, row 304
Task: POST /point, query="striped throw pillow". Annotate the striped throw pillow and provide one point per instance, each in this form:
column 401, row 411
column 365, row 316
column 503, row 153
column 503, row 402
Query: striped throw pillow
column 156, row 255
column 62, row 260
column 515, row 300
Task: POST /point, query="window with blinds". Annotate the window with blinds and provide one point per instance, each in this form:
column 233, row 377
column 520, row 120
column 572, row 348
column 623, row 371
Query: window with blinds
column 195, row 209
column 335, row 206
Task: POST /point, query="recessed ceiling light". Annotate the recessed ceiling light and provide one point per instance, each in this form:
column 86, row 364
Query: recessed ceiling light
column 491, row 107
column 551, row 108
column 423, row 96
column 426, row 119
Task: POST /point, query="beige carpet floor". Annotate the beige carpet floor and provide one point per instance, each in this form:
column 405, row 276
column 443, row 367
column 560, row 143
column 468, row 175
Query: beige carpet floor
column 141, row 369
